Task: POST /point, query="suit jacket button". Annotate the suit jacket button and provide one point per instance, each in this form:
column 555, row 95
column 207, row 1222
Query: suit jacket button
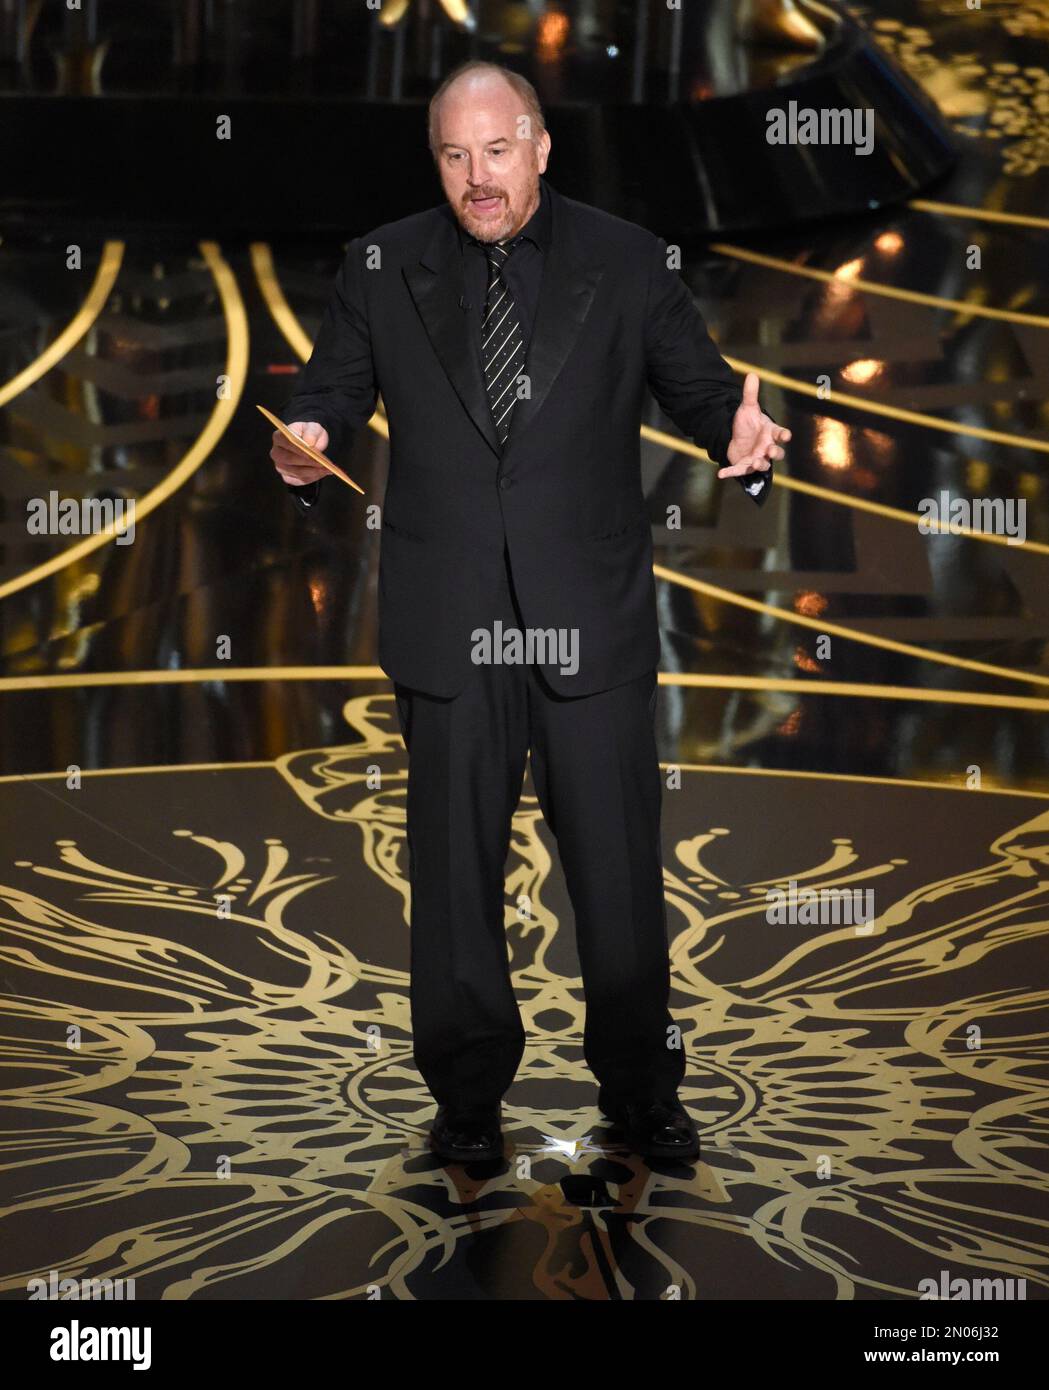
column 504, row 483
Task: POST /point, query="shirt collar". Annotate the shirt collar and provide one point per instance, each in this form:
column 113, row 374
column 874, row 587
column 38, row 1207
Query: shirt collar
column 536, row 229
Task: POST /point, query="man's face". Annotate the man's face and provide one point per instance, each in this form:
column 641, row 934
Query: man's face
column 488, row 161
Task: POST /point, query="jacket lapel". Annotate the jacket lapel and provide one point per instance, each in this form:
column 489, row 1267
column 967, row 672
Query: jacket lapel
column 566, row 293
column 436, row 285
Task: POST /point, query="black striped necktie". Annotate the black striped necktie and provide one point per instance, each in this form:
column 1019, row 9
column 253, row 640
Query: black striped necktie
column 502, row 342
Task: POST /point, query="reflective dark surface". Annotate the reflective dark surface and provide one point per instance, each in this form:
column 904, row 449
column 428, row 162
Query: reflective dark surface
column 659, row 113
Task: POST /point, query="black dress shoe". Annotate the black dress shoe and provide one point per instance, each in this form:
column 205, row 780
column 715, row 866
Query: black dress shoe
column 655, row 1128
column 467, row 1136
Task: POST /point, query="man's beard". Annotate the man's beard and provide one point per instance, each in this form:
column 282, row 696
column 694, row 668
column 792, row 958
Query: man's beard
column 486, row 231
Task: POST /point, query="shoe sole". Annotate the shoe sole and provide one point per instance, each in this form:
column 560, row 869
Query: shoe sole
column 651, row 1150
column 665, row 1150
column 455, row 1155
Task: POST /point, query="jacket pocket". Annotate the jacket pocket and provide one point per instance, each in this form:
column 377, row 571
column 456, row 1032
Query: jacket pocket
column 402, row 533
column 637, row 523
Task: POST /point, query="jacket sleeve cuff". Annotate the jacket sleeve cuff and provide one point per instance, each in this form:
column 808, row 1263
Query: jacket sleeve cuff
column 758, row 485
column 306, row 494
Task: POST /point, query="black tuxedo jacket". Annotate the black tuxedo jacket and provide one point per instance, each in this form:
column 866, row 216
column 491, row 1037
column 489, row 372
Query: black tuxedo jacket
column 564, row 498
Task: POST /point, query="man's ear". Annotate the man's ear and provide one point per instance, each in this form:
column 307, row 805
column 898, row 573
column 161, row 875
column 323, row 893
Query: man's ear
column 542, row 150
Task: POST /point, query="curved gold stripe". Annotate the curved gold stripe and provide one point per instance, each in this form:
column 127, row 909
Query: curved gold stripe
column 457, row 11
column 1013, row 219
column 132, row 771
column 859, row 689
column 685, row 446
column 78, row 681
column 281, row 311
column 79, row 324
column 236, row 370
column 685, row 767
column 837, row 629
column 236, row 323
column 861, row 504
column 185, row 676
column 393, row 11
column 890, row 412
column 934, row 301
column 285, row 318
column 834, row 777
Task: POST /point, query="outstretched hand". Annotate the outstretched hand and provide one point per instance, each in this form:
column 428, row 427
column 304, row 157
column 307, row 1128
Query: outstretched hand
column 755, row 438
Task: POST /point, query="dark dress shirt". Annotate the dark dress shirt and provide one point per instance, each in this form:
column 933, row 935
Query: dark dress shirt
column 522, row 271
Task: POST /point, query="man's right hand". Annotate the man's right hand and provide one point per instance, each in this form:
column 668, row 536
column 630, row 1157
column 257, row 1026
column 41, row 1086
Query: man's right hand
column 293, row 466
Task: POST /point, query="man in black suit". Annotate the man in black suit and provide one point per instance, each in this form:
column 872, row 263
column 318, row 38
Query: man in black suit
column 511, row 333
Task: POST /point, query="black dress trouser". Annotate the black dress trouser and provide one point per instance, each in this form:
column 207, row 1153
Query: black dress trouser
column 596, row 774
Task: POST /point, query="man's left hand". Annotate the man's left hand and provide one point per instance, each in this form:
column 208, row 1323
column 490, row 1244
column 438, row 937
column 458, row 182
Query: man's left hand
column 755, row 438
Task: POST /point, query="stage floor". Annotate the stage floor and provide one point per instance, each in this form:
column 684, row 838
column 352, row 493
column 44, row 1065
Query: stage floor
column 225, row 1106
column 240, row 1116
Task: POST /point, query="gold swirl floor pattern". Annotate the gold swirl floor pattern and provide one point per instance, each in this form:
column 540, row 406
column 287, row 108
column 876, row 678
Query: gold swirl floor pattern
column 210, row 1084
